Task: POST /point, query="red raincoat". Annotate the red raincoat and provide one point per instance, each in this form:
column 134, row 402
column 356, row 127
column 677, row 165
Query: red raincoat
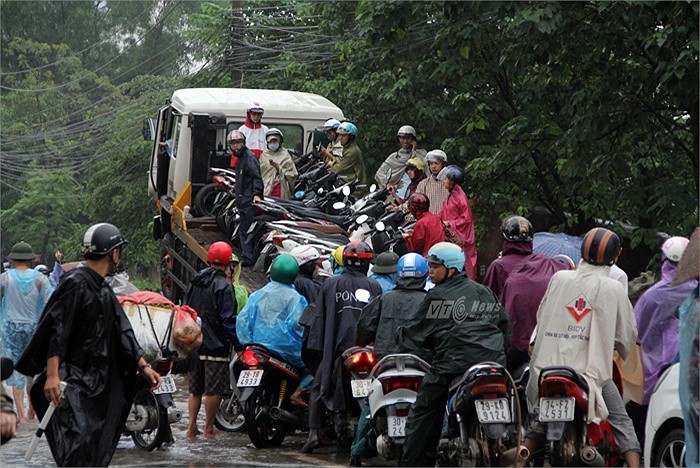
column 457, row 213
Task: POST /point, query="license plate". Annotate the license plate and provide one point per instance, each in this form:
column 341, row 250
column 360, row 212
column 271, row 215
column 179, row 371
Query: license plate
column 250, row 378
column 397, row 426
column 496, row 410
column 360, row 388
column 167, row 385
column 556, row 409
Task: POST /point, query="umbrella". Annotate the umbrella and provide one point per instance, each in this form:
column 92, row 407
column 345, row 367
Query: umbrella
column 552, row 244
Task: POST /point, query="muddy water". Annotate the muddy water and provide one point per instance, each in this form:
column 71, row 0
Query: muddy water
column 227, row 449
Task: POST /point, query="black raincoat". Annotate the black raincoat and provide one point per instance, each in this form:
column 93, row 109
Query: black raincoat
column 84, row 325
column 333, row 328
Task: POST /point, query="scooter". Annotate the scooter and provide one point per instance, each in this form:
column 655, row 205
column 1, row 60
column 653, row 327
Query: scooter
column 358, row 362
column 395, row 381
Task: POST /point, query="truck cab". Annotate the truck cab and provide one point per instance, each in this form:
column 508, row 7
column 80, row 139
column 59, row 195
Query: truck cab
column 189, row 137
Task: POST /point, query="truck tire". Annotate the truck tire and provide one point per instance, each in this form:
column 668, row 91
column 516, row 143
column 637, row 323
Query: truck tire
column 168, row 265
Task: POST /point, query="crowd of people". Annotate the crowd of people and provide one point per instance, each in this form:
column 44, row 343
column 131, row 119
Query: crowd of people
column 519, row 313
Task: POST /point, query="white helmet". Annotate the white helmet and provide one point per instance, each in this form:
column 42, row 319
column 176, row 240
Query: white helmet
column 674, row 247
column 305, row 254
column 331, row 124
column 436, row 155
column 255, row 107
column 406, row 130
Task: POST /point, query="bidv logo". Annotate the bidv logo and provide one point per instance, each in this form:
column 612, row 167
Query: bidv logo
column 458, row 311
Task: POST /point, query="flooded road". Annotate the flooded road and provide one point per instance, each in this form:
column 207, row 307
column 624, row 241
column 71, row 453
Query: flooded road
column 227, row 449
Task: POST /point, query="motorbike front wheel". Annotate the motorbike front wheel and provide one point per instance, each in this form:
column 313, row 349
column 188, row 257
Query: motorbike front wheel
column 230, row 417
column 262, row 430
column 206, row 198
column 153, row 436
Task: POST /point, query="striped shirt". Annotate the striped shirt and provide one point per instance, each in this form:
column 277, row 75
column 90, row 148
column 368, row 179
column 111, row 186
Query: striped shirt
column 435, row 191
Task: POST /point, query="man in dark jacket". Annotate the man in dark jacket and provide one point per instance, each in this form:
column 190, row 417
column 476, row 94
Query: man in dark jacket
column 378, row 323
column 85, row 340
column 249, row 189
column 332, row 331
column 517, row 246
column 462, row 324
column 307, row 283
column 213, row 297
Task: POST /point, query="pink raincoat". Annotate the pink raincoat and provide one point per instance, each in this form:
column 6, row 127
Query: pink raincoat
column 457, row 214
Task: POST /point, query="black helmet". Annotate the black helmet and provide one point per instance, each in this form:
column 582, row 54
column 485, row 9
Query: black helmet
column 516, row 229
column 357, row 254
column 452, row 172
column 101, row 239
column 600, row 246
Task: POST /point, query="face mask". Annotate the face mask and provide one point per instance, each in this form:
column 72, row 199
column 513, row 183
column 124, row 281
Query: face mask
column 273, row 146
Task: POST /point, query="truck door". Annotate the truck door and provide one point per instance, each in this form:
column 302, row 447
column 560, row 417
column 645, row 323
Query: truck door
column 156, row 185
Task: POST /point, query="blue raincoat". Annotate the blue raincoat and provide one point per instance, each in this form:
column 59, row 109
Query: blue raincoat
column 271, row 318
column 657, row 324
column 386, row 281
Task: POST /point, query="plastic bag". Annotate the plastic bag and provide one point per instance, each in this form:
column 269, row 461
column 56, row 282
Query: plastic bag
column 144, row 336
column 186, row 333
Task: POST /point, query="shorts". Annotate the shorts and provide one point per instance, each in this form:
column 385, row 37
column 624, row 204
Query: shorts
column 15, row 339
column 209, row 378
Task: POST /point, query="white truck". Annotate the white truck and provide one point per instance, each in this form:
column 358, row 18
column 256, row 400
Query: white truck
column 188, row 134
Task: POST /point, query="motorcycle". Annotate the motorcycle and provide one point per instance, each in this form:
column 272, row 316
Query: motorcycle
column 395, row 381
column 153, row 411
column 563, row 406
column 266, row 383
column 229, row 417
column 358, row 363
column 480, row 408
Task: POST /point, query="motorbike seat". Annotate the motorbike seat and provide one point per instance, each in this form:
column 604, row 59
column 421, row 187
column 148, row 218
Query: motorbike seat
column 564, row 371
column 324, row 228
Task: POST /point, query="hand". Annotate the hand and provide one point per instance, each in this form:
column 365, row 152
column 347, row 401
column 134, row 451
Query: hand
column 52, row 389
column 391, row 188
column 58, row 256
column 275, row 164
column 8, row 424
column 151, row 377
column 399, row 184
column 407, row 233
column 256, row 198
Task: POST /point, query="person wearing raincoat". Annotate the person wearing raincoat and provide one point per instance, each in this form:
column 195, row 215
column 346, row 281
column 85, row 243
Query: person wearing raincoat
column 516, row 248
column 456, row 213
column 350, row 167
column 233, row 274
column 657, row 324
column 396, row 161
column 277, row 167
column 385, row 270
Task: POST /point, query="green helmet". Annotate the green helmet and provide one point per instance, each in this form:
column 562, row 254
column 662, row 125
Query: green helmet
column 386, row 262
column 22, row 251
column 284, row 269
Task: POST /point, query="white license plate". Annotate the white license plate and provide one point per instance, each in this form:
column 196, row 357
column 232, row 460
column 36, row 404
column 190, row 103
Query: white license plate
column 167, row 385
column 250, row 378
column 557, row 409
column 397, row 426
column 360, row 388
column 496, row 410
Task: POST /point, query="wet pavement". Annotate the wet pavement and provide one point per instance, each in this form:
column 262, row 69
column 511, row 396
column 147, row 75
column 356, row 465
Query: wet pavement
column 227, row 449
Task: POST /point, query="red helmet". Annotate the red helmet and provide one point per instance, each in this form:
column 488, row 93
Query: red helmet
column 220, row 253
column 418, row 203
column 357, row 254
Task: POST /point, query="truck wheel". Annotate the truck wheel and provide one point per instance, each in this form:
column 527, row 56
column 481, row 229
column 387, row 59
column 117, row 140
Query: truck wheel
column 167, row 265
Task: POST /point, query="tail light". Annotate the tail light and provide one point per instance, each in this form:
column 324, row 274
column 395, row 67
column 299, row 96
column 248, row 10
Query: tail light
column 489, row 385
column 409, row 382
column 361, row 362
column 557, row 386
column 252, row 359
column 219, row 180
column 279, row 239
column 163, row 366
column 403, row 412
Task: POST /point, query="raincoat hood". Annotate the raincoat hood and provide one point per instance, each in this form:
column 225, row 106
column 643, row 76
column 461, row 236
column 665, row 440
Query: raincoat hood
column 410, row 282
column 206, row 277
column 250, row 124
column 516, row 248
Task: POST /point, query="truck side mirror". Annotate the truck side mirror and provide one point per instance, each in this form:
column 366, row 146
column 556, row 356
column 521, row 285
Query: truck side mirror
column 149, row 129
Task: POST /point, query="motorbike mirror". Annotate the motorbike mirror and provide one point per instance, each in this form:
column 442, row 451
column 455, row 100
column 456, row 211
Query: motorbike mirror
column 299, row 195
column 380, row 226
column 362, row 295
column 320, row 190
column 362, row 219
column 338, row 205
column 372, row 188
column 346, row 190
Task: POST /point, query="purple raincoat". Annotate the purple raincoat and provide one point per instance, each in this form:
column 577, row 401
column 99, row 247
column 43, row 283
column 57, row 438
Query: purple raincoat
column 497, row 273
column 657, row 324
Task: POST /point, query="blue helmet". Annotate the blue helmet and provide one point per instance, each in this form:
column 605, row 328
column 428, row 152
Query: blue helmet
column 347, row 128
column 447, row 253
column 412, row 265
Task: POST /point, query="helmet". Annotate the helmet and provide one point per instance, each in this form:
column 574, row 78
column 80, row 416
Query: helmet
column 235, row 135
column 516, row 229
column 331, row 124
column 600, row 246
column 448, row 254
column 219, row 253
column 274, row 132
column 346, row 128
column 436, row 155
column 305, row 254
column 255, row 107
column 338, row 255
column 453, row 173
column 101, row 239
column 565, row 260
column 386, row 263
column 418, row 163
column 22, row 251
column 42, row 269
column 418, row 203
column 284, row 269
column 674, row 247
column 357, row 254
column 406, row 130
column 412, row 265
